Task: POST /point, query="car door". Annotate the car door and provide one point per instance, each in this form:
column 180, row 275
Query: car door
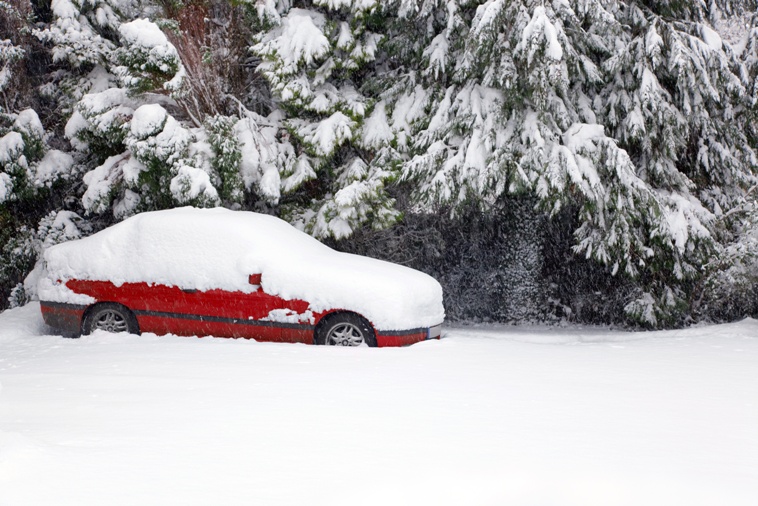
column 225, row 313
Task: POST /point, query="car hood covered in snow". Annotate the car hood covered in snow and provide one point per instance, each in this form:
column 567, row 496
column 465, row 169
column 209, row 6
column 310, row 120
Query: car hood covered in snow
column 217, row 248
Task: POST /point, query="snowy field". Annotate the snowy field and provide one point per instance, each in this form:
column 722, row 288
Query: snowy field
column 486, row 416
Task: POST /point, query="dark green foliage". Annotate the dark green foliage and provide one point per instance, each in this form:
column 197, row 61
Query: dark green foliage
column 490, row 265
column 17, row 255
column 227, row 158
column 147, row 71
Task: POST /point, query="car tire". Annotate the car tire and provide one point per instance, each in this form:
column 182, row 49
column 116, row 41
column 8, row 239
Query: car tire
column 111, row 318
column 345, row 329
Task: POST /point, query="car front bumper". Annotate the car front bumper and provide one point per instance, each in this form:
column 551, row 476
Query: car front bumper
column 434, row 332
column 405, row 337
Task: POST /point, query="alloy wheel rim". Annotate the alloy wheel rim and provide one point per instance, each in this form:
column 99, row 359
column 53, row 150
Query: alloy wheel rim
column 111, row 321
column 345, row 334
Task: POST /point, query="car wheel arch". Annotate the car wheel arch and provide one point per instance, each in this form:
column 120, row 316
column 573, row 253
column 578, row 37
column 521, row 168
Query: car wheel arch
column 336, row 313
column 91, row 309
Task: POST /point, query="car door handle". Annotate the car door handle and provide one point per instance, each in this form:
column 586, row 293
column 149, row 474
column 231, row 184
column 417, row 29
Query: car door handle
column 189, row 290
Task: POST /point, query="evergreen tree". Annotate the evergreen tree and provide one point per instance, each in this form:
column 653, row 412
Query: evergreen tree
column 733, row 276
column 625, row 129
column 83, row 33
column 148, row 159
column 315, row 55
column 610, row 108
column 11, row 53
column 29, row 173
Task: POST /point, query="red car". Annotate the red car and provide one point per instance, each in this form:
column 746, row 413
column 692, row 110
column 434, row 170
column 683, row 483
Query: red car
column 198, row 272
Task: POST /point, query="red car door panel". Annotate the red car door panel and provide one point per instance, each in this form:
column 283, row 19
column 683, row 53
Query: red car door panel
column 167, row 309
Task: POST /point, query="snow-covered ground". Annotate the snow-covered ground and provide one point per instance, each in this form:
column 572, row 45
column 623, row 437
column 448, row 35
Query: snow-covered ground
column 486, row 416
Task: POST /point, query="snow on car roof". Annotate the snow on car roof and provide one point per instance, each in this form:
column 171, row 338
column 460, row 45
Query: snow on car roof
column 217, row 248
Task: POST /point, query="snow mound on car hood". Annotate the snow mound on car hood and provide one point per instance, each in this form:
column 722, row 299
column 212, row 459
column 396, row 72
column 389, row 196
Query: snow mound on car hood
column 218, row 248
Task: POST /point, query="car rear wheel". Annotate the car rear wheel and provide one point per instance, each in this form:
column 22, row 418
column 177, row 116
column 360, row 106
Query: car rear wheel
column 345, row 329
column 111, row 318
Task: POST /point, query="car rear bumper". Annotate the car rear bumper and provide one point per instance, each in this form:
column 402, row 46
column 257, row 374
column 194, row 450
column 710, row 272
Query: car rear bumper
column 405, row 337
column 62, row 316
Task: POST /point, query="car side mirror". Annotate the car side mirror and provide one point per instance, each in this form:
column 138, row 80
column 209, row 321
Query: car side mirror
column 254, row 279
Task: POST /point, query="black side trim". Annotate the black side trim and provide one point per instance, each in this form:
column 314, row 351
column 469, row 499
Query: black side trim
column 220, row 319
column 237, row 321
column 402, row 332
column 63, row 305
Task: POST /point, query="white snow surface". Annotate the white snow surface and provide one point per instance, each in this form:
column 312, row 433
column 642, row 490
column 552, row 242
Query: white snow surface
column 146, row 35
column 53, row 166
column 329, row 133
column 28, row 122
column 376, row 130
column 711, row 37
column 487, row 416
column 190, row 183
column 11, row 147
column 218, row 248
column 301, row 39
column 540, row 32
column 148, row 120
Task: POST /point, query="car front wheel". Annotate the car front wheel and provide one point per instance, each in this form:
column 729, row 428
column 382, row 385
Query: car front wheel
column 345, row 329
column 111, row 318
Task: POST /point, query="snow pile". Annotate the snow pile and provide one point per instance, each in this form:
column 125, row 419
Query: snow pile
column 301, row 39
column 217, row 248
column 191, row 183
column 99, row 114
column 6, row 186
column 147, row 120
column 376, row 129
column 101, row 180
column 155, row 136
column 540, row 34
column 329, row 134
column 146, row 36
column 53, row 166
column 27, row 122
column 11, row 147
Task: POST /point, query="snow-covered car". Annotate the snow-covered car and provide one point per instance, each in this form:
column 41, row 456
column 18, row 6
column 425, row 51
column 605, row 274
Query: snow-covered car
column 233, row 274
